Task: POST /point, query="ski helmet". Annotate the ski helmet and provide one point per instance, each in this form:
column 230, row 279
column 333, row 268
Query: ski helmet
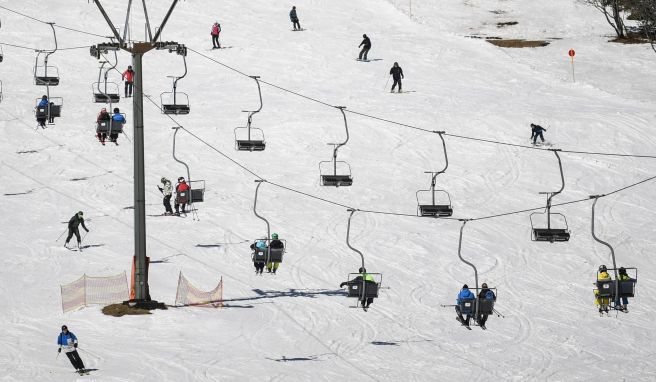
column 484, row 285
column 465, row 286
column 622, row 271
column 64, row 327
column 362, row 270
column 163, row 180
column 602, row 268
column 260, row 244
column 274, row 236
column 80, row 213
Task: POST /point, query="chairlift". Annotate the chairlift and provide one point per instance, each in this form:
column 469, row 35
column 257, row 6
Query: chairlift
column 613, row 289
column 176, row 102
column 363, row 285
column 550, row 233
column 104, row 91
column 196, row 193
column 428, row 204
column 49, row 112
column 336, row 178
column 249, row 138
column 475, row 306
column 110, row 126
column 46, row 75
column 267, row 254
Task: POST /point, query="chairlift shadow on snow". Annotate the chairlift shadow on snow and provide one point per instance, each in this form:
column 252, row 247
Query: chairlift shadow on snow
column 20, row 193
column 296, row 359
column 92, row 246
column 89, row 177
column 165, row 260
column 268, row 294
column 27, row 152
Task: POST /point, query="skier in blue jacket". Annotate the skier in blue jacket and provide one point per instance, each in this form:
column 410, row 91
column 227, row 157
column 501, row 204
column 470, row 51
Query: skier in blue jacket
column 41, row 117
column 465, row 294
column 118, row 119
column 68, row 341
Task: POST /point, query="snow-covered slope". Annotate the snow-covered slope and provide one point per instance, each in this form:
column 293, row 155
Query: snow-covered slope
column 297, row 325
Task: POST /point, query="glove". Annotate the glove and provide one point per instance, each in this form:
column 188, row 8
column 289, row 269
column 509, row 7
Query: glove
column 342, row 285
column 87, row 231
column 59, row 350
column 75, row 346
column 160, row 189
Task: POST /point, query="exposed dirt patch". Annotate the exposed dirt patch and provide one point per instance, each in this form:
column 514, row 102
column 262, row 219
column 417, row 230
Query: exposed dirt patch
column 119, row 310
column 631, row 38
column 518, row 43
column 507, row 23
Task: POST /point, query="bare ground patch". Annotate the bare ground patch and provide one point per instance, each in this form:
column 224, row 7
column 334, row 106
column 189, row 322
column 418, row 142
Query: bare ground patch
column 518, row 43
column 119, row 310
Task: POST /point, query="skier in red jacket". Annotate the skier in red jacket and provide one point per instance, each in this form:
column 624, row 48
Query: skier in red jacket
column 216, row 30
column 128, row 77
column 182, row 195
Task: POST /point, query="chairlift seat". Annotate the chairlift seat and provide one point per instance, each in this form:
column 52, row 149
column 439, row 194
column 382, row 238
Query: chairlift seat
column 550, row 234
column 627, row 288
column 336, row 180
column 606, row 288
column 275, row 255
column 55, row 111
column 250, row 145
column 109, row 127
column 197, row 195
column 259, row 255
column 46, row 81
column 182, row 197
column 467, row 305
column 175, row 109
column 106, row 98
column 485, row 306
column 435, row 210
column 370, row 290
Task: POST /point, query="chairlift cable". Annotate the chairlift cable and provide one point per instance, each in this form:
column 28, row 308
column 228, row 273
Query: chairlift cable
column 44, row 22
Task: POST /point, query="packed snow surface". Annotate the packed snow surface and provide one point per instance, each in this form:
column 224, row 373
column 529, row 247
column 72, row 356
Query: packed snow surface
column 297, row 325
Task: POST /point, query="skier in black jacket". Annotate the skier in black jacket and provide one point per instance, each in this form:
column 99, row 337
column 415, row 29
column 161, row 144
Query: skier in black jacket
column 73, row 229
column 536, row 130
column 397, row 73
column 366, row 45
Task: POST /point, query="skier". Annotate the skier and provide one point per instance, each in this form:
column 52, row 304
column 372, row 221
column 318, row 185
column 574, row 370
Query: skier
column 128, row 77
column 622, row 276
column 117, row 118
column 167, row 191
column 465, row 294
column 259, row 255
column 397, row 73
column 73, row 228
column 182, row 195
column 602, row 302
column 103, row 116
column 368, row 280
column 366, row 45
column 216, row 30
column 536, row 130
column 294, row 18
column 274, row 244
column 41, row 118
column 484, row 294
column 68, row 341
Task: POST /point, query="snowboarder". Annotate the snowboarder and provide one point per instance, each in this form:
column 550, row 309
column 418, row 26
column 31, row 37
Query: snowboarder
column 182, row 195
column 118, row 119
column 167, row 191
column 73, row 228
column 68, row 341
column 103, row 116
column 484, row 294
column 366, row 45
column 368, row 280
column 294, row 18
column 536, row 130
column 259, row 255
column 602, row 302
column 397, row 74
column 622, row 276
column 41, row 117
column 274, row 244
column 128, row 77
column 216, row 30
column 465, row 294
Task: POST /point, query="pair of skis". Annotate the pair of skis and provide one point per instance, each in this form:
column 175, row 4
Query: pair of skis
column 463, row 323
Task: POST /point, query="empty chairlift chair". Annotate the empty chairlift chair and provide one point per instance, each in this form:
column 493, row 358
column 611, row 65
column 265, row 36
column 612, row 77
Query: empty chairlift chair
column 46, row 75
column 249, row 138
column 551, row 233
column 105, row 91
column 432, row 202
column 336, row 173
column 176, row 102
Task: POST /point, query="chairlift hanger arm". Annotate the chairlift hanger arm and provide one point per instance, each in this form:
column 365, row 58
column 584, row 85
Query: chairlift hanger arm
column 338, row 145
column 175, row 82
column 562, row 177
column 348, row 234
column 464, row 221
column 259, row 183
column 597, row 239
column 177, row 128
column 259, row 92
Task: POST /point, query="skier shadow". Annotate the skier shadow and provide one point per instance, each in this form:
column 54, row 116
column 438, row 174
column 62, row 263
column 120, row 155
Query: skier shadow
column 396, row 343
column 164, row 260
column 92, row 246
column 269, row 294
column 89, row 177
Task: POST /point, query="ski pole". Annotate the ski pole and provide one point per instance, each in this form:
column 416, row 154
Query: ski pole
column 498, row 314
column 85, row 235
column 387, row 82
column 62, row 234
column 96, row 356
column 446, row 306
